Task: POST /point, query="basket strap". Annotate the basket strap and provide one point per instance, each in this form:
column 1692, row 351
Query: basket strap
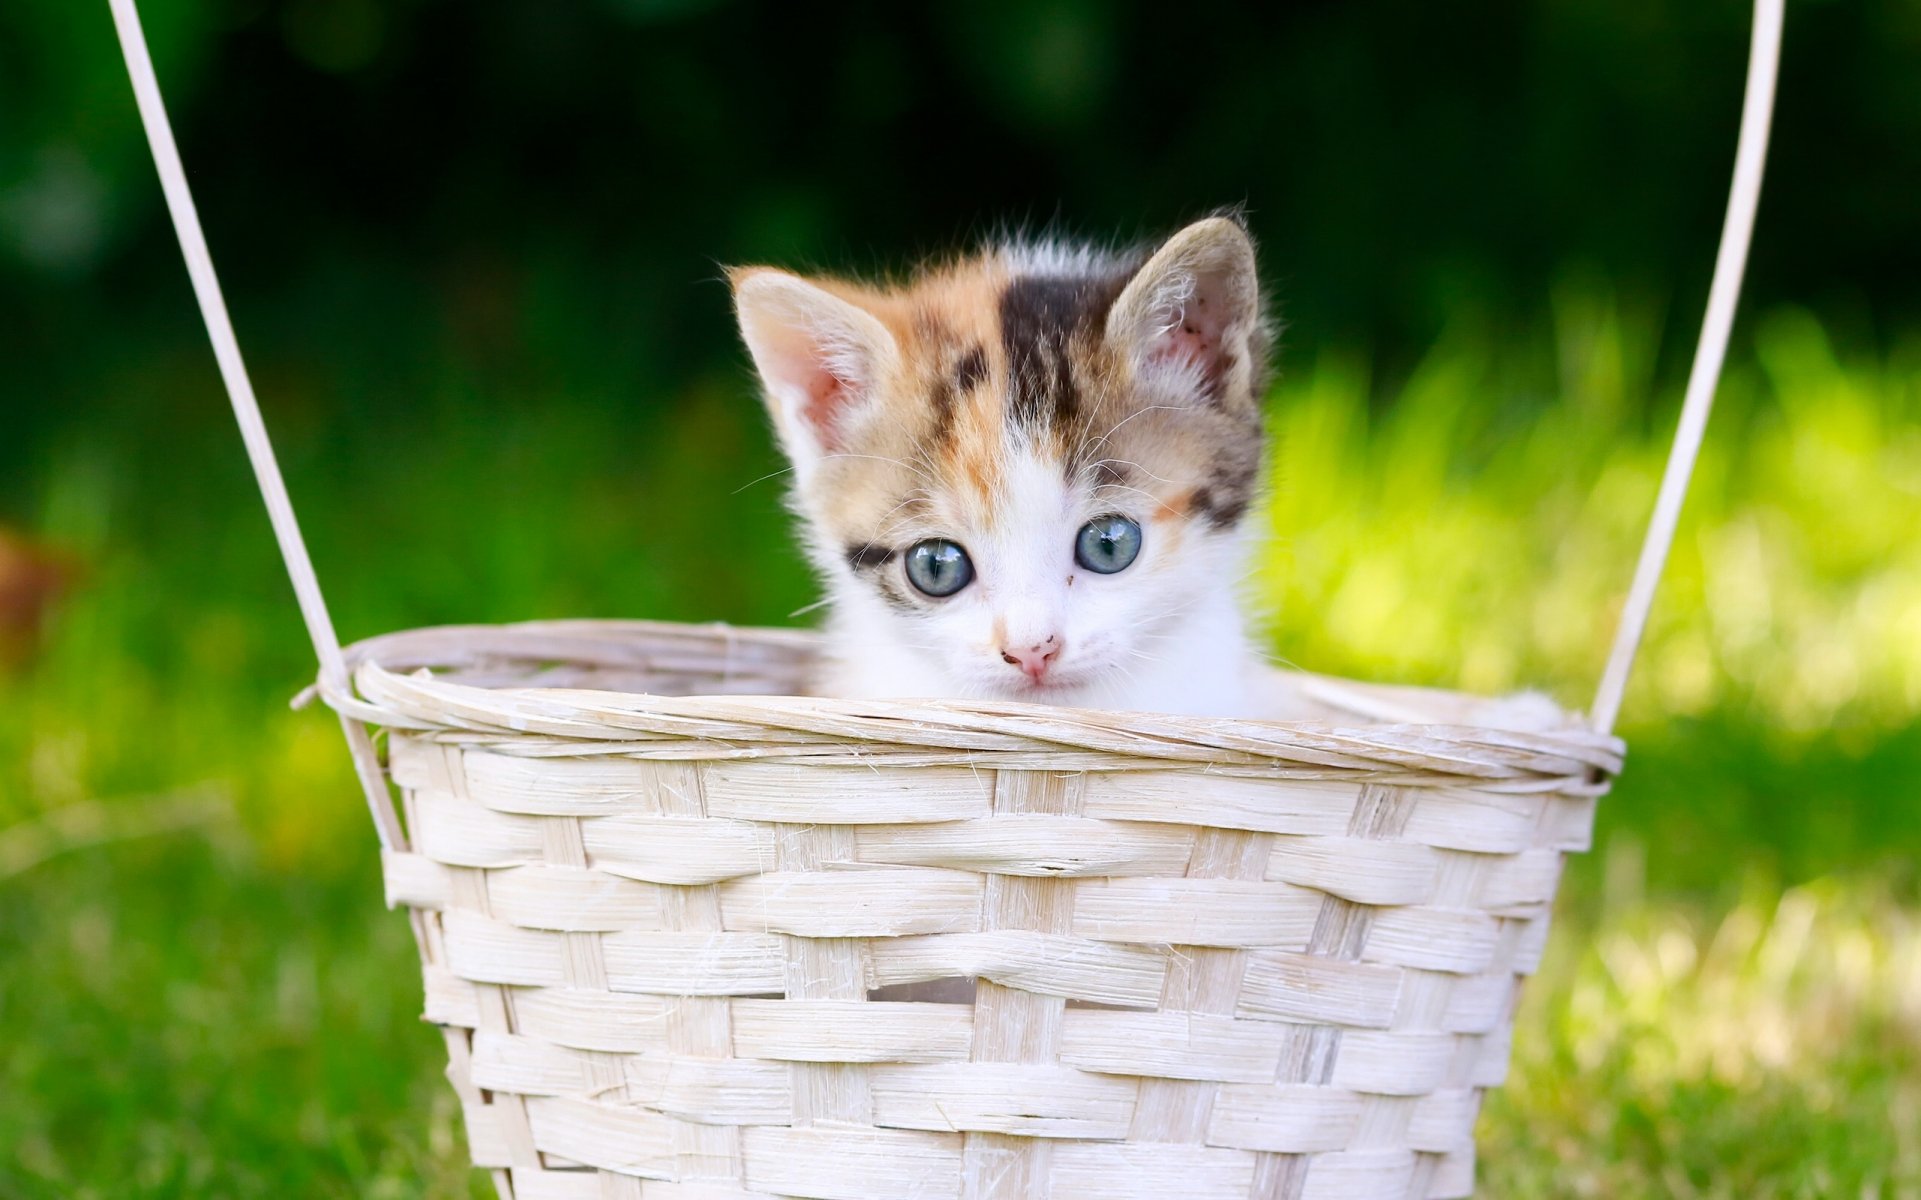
column 246, row 409
column 1750, row 155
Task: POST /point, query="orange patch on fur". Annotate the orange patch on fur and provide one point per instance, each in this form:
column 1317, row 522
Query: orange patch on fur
column 932, row 462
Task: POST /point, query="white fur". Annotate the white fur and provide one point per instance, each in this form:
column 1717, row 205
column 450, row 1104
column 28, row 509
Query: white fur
column 1051, row 256
column 1164, row 635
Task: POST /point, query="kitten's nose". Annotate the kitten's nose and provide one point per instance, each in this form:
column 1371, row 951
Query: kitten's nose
column 1034, row 659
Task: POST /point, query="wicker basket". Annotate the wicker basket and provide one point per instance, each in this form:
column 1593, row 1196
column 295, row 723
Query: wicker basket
column 1214, row 959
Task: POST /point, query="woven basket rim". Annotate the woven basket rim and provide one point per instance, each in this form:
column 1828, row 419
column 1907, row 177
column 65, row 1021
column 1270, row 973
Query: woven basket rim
column 1398, row 734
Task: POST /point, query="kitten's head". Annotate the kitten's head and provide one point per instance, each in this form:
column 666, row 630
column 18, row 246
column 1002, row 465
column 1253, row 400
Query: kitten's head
column 1023, row 473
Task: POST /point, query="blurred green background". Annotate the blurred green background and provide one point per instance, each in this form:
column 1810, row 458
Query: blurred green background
column 472, row 252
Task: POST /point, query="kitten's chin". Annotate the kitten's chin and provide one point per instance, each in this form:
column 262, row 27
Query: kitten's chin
column 1079, row 691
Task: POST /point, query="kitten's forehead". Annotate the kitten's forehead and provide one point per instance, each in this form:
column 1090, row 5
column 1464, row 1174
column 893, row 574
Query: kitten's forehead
column 1008, row 352
column 1055, row 359
column 1003, row 360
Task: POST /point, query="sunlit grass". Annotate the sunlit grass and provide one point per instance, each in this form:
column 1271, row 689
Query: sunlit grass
column 1773, row 1049
column 1449, row 541
column 200, row 994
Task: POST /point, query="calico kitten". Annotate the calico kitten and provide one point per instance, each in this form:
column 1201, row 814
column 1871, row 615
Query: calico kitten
column 1024, row 475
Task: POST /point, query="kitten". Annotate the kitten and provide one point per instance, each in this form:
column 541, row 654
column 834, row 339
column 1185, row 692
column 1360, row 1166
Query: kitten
column 1025, row 475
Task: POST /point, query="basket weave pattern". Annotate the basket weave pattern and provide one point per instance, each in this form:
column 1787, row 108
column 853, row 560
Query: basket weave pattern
column 665, row 938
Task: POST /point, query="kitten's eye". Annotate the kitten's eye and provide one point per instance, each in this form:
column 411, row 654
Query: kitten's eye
column 939, row 568
column 1107, row 544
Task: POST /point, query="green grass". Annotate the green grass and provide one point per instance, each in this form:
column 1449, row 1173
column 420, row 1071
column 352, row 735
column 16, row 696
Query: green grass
column 1772, row 1049
column 201, row 995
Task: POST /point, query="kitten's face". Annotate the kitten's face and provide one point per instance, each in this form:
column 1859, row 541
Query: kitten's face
column 1022, row 476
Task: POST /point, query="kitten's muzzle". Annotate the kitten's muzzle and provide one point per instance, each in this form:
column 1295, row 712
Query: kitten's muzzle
column 1034, row 660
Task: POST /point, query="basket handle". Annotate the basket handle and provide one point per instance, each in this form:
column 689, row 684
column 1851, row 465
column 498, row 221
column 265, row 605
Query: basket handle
column 1750, row 155
column 1736, row 234
column 246, row 410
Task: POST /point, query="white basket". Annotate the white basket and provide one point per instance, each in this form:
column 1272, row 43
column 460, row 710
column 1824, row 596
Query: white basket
column 1214, row 958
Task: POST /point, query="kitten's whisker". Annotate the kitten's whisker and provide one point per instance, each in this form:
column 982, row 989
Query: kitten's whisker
column 788, row 470
column 1140, row 412
column 1138, row 467
column 915, row 497
column 903, row 464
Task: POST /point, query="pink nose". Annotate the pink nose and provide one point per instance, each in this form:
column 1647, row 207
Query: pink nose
column 1034, row 659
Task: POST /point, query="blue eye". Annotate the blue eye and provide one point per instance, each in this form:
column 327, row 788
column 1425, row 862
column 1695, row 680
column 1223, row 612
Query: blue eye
column 938, row 567
column 1108, row 544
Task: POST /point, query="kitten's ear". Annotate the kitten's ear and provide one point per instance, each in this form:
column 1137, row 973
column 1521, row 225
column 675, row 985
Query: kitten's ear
column 1196, row 308
column 820, row 358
